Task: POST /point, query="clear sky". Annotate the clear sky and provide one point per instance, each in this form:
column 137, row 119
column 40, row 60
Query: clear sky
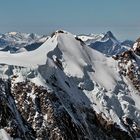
column 122, row 17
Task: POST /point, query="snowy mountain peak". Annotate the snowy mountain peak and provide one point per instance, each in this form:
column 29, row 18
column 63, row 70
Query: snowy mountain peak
column 138, row 40
column 65, row 89
column 12, row 33
column 21, row 36
column 57, row 32
column 110, row 35
column 106, row 43
column 136, row 47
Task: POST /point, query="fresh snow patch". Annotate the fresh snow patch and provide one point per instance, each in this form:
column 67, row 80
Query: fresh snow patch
column 4, row 135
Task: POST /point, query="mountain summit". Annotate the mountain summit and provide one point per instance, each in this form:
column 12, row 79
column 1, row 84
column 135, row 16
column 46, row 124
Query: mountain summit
column 107, row 43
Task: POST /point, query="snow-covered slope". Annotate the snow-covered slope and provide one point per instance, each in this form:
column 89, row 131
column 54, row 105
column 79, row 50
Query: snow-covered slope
column 91, row 38
column 107, row 43
column 71, row 91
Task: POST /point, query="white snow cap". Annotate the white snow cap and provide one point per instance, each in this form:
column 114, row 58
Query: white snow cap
column 135, row 46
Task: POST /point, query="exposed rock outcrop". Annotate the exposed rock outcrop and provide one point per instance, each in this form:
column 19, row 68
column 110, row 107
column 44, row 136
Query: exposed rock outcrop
column 28, row 111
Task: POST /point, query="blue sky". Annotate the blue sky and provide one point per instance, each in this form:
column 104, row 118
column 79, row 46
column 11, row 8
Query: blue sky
column 122, row 17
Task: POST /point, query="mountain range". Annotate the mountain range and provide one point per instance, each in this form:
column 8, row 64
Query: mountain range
column 107, row 43
column 17, row 41
column 69, row 87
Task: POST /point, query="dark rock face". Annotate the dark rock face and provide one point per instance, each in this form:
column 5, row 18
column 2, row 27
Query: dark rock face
column 129, row 65
column 10, row 118
column 137, row 50
column 44, row 112
column 32, row 112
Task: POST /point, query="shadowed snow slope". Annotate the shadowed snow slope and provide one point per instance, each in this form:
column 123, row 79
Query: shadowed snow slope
column 82, row 82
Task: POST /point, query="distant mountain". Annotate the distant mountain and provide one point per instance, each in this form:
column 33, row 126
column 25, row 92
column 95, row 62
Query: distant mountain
column 107, row 43
column 13, row 41
column 65, row 90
